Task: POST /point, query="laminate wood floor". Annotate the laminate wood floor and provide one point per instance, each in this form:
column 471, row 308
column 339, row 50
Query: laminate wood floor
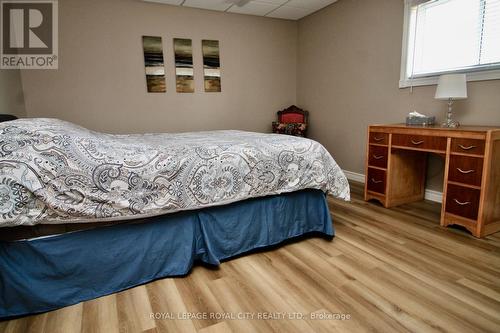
column 387, row 270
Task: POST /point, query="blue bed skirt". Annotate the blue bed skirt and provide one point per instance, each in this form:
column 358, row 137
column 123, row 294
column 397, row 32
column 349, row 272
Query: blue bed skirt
column 49, row 273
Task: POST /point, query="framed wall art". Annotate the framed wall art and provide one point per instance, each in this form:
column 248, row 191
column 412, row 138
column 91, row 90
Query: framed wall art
column 211, row 65
column 153, row 61
column 184, row 72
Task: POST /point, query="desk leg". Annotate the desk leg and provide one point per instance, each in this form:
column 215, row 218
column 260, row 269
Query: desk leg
column 445, row 182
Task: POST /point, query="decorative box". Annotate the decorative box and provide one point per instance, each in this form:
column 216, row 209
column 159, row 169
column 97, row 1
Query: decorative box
column 420, row 121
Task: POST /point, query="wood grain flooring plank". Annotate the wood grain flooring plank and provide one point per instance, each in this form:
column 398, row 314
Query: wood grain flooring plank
column 284, row 284
column 65, row 320
column 134, row 310
column 168, row 305
column 198, row 298
column 468, row 247
column 487, row 290
column 36, row 323
column 455, row 306
column 221, row 327
column 15, row 325
column 266, row 299
column 419, row 308
column 414, row 266
column 325, row 292
column 234, row 300
column 100, row 315
column 369, row 261
column 454, row 267
column 390, row 308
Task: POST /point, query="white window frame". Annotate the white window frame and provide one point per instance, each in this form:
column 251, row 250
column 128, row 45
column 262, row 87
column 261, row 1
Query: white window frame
column 473, row 74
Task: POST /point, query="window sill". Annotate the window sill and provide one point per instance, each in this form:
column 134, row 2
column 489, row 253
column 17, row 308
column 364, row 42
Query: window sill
column 432, row 80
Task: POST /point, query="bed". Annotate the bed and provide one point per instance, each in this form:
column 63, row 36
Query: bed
column 120, row 210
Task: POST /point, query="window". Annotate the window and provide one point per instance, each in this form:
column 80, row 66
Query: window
column 450, row 36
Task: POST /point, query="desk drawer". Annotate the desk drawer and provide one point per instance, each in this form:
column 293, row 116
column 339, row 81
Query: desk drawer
column 462, row 201
column 467, row 146
column 377, row 156
column 376, row 180
column 466, row 169
column 419, row 141
column 379, row 138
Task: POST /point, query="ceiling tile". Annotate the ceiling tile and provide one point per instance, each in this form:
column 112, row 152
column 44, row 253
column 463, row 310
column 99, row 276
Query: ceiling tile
column 221, row 5
column 286, row 9
column 253, row 8
column 168, row 2
column 310, row 4
column 274, row 2
column 290, row 13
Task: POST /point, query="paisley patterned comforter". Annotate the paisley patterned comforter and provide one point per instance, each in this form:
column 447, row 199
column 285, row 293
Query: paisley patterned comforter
column 53, row 171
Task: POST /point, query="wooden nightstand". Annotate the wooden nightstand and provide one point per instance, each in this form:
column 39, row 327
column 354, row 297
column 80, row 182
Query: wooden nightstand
column 396, row 164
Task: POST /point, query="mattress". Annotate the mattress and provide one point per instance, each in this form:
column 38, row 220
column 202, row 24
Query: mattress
column 55, row 172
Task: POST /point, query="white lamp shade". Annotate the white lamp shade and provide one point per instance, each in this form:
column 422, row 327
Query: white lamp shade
column 452, row 86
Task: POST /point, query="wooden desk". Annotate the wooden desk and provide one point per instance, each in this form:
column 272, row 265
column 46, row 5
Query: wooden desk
column 396, row 158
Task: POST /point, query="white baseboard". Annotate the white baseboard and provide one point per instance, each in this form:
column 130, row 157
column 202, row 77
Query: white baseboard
column 357, row 177
column 430, row 195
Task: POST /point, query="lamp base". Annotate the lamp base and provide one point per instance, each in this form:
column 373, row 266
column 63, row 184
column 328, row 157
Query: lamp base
column 450, row 123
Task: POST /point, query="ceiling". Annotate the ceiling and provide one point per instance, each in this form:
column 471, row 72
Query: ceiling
column 284, row 9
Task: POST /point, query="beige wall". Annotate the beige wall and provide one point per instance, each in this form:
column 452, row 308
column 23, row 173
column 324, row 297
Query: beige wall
column 100, row 83
column 348, row 71
column 11, row 93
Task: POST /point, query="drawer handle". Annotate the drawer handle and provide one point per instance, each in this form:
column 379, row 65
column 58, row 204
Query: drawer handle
column 416, row 143
column 376, row 181
column 376, row 138
column 462, row 203
column 377, row 157
column 467, row 148
column 465, row 171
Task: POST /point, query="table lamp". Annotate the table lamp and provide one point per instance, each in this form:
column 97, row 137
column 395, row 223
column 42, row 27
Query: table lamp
column 451, row 87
